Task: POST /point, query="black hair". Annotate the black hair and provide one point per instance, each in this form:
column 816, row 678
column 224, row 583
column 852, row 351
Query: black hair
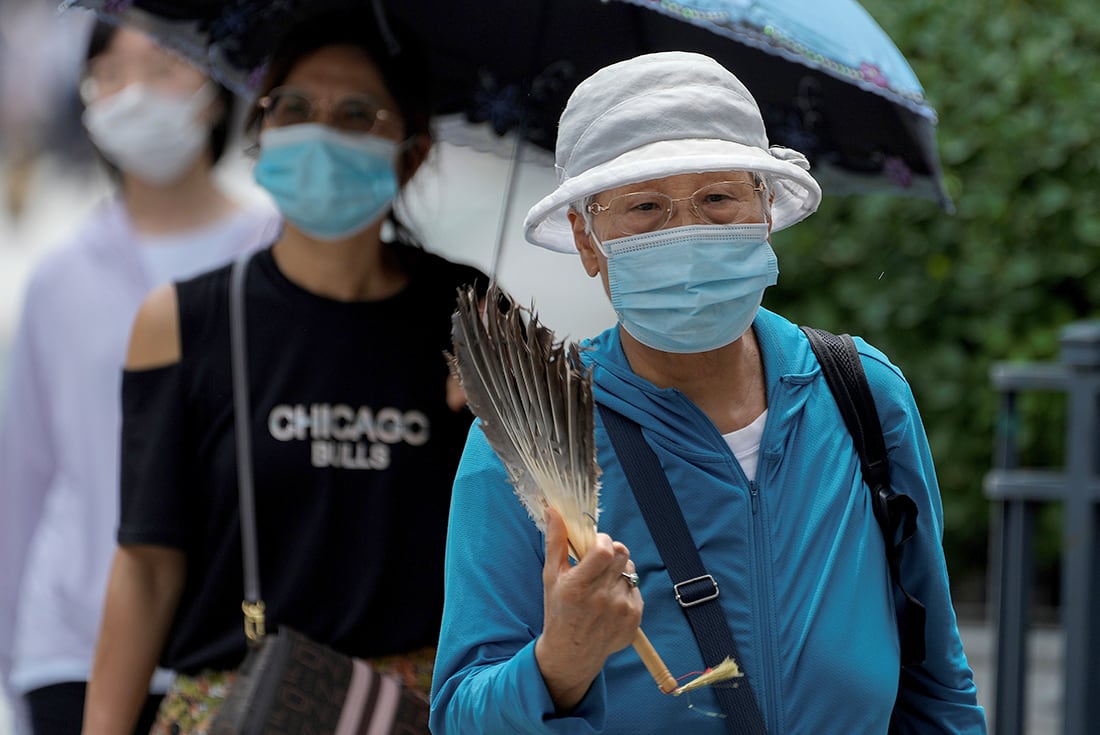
column 400, row 59
column 103, row 33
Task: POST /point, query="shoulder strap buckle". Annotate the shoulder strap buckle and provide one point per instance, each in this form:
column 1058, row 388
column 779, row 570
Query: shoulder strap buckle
column 696, row 591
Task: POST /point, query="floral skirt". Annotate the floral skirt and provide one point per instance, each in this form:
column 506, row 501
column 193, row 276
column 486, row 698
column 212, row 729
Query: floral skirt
column 191, row 701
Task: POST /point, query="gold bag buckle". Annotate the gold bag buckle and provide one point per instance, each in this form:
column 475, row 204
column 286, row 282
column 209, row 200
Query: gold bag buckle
column 254, row 628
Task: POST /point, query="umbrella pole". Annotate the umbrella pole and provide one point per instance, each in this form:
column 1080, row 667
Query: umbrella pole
column 509, row 198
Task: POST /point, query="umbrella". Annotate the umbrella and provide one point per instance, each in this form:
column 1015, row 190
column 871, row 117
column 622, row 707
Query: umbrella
column 828, row 79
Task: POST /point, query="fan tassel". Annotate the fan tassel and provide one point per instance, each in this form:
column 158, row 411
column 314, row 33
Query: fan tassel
column 724, row 671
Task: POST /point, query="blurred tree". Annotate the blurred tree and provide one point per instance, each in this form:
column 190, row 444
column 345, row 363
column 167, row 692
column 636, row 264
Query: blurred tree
column 948, row 295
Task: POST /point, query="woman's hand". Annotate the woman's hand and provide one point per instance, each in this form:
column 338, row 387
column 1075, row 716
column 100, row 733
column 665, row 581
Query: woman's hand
column 456, row 397
column 591, row 611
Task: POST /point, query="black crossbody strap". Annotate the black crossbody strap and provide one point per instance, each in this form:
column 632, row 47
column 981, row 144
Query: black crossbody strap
column 895, row 513
column 253, row 605
column 695, row 589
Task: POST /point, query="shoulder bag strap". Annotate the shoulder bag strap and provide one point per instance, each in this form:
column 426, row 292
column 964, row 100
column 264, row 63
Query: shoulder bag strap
column 896, row 513
column 695, row 589
column 253, row 605
column 843, row 371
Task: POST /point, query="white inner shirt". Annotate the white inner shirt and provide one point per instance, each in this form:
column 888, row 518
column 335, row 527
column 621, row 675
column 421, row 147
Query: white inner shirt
column 745, row 444
column 181, row 255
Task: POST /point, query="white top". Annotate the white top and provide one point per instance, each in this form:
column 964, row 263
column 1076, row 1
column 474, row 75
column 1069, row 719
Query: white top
column 745, row 444
column 59, row 431
column 174, row 257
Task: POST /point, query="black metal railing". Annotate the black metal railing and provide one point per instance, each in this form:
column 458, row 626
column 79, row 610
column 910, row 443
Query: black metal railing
column 1017, row 495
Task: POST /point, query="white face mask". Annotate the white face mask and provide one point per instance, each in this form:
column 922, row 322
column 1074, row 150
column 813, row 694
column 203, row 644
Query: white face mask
column 149, row 134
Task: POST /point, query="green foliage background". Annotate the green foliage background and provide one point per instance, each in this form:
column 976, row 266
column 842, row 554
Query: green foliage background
column 1017, row 88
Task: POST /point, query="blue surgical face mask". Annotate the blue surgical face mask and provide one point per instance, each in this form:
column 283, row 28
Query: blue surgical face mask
column 690, row 289
column 327, row 183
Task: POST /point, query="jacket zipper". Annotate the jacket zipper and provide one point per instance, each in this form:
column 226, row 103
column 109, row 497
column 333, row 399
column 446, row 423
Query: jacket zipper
column 762, row 580
column 762, row 577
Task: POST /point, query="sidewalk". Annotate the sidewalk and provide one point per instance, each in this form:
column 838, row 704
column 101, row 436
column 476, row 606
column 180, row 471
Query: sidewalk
column 1043, row 708
column 1044, row 687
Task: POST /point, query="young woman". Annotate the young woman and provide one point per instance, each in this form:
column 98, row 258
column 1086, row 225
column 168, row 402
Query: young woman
column 356, row 425
column 160, row 125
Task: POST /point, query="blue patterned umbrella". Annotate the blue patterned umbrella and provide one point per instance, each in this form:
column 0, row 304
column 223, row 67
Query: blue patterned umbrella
column 829, row 80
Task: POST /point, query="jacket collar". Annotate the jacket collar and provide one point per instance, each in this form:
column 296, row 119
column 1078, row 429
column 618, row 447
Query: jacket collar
column 788, row 365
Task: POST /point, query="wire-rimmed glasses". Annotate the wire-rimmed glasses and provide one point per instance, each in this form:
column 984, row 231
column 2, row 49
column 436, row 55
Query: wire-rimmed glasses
column 720, row 203
column 357, row 113
column 109, row 74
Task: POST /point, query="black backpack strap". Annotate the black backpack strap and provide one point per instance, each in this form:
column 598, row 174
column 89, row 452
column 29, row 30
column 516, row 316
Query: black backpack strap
column 695, row 589
column 896, row 513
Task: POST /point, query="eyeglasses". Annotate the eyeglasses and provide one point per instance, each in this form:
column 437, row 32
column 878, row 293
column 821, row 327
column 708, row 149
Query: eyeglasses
column 357, row 113
column 720, row 203
column 107, row 75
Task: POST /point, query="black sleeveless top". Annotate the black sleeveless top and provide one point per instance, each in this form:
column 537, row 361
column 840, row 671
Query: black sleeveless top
column 354, row 449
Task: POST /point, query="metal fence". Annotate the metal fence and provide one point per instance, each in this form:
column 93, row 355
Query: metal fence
column 1018, row 494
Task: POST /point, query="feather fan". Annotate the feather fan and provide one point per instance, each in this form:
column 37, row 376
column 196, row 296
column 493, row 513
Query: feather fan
column 534, row 399
column 535, row 405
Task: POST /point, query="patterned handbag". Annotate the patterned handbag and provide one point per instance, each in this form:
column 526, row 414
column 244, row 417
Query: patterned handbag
column 287, row 682
column 291, row 684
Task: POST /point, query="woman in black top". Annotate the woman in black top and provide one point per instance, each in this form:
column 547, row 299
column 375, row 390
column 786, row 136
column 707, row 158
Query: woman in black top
column 356, row 423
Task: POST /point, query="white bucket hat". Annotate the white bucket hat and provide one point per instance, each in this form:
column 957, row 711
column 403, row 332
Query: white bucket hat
column 659, row 115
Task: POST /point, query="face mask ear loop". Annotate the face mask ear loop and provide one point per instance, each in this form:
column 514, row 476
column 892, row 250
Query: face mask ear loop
column 599, row 245
column 204, row 96
column 398, row 212
column 406, row 145
column 400, row 161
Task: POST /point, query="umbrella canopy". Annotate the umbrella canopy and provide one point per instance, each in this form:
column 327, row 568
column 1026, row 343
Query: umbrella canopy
column 828, row 79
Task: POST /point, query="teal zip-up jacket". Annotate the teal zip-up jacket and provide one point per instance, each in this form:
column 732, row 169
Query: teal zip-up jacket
column 797, row 555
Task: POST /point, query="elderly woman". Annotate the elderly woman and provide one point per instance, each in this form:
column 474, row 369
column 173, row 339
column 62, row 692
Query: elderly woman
column 669, row 192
